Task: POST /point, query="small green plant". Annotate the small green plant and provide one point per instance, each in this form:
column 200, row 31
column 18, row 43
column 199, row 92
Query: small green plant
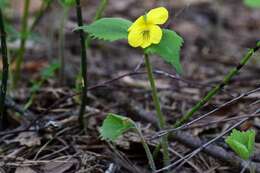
column 252, row 3
column 242, row 143
column 45, row 74
column 116, row 125
column 24, row 35
column 146, row 33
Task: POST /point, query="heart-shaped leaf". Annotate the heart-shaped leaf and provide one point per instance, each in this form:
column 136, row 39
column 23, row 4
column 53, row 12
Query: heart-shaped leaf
column 114, row 126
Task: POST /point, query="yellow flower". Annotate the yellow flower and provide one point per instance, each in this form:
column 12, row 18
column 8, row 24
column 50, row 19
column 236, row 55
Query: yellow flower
column 145, row 30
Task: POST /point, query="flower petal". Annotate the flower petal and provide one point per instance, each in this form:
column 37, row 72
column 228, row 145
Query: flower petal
column 157, row 15
column 135, row 36
column 146, row 43
column 139, row 22
column 155, row 34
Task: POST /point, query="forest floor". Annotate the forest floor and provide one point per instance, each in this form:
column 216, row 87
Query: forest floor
column 217, row 34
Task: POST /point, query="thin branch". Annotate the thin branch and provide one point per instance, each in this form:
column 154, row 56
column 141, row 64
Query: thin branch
column 199, row 149
column 219, row 87
column 200, row 117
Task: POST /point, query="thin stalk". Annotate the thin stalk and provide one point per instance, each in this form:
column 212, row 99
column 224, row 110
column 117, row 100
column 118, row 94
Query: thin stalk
column 62, row 44
column 160, row 116
column 24, row 36
column 100, row 10
column 252, row 168
column 147, row 150
column 83, row 67
column 218, row 87
column 5, row 72
column 44, row 7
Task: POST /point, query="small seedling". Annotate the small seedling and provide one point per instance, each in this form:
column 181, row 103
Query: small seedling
column 46, row 74
column 252, row 3
column 116, row 125
column 242, row 143
column 146, row 33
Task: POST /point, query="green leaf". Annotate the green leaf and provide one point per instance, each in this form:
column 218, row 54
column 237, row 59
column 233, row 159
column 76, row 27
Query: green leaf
column 251, row 140
column 3, row 3
column 67, row 3
column 110, row 29
column 168, row 49
column 238, row 148
column 114, row 126
column 49, row 71
column 252, row 3
column 242, row 143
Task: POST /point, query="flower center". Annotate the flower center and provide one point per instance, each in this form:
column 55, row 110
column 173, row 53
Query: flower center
column 146, row 34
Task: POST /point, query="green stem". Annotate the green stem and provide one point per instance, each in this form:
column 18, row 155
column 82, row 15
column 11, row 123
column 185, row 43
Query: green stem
column 3, row 87
column 100, row 10
column 61, row 44
column 24, row 35
column 251, row 167
column 218, row 87
column 83, row 67
column 147, row 150
column 44, row 7
column 160, row 116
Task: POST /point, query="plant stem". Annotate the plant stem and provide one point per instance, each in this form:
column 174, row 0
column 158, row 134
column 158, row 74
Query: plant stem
column 83, row 67
column 24, row 35
column 147, row 150
column 100, row 10
column 5, row 72
column 61, row 44
column 159, row 113
column 44, row 7
column 252, row 167
column 218, row 87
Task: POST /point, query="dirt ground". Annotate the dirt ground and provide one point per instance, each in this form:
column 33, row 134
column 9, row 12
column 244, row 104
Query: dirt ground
column 217, row 34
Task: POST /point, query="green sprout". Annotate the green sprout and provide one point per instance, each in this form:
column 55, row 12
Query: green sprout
column 116, row 125
column 242, row 143
column 252, row 3
column 66, row 6
column 46, row 73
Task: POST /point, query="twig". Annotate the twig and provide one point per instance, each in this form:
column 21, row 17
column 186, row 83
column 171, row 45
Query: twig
column 3, row 88
column 200, row 117
column 219, row 87
column 83, row 67
column 194, row 142
column 196, row 151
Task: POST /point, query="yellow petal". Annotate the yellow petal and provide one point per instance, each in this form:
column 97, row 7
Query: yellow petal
column 139, row 22
column 155, row 34
column 157, row 15
column 146, row 43
column 135, row 36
